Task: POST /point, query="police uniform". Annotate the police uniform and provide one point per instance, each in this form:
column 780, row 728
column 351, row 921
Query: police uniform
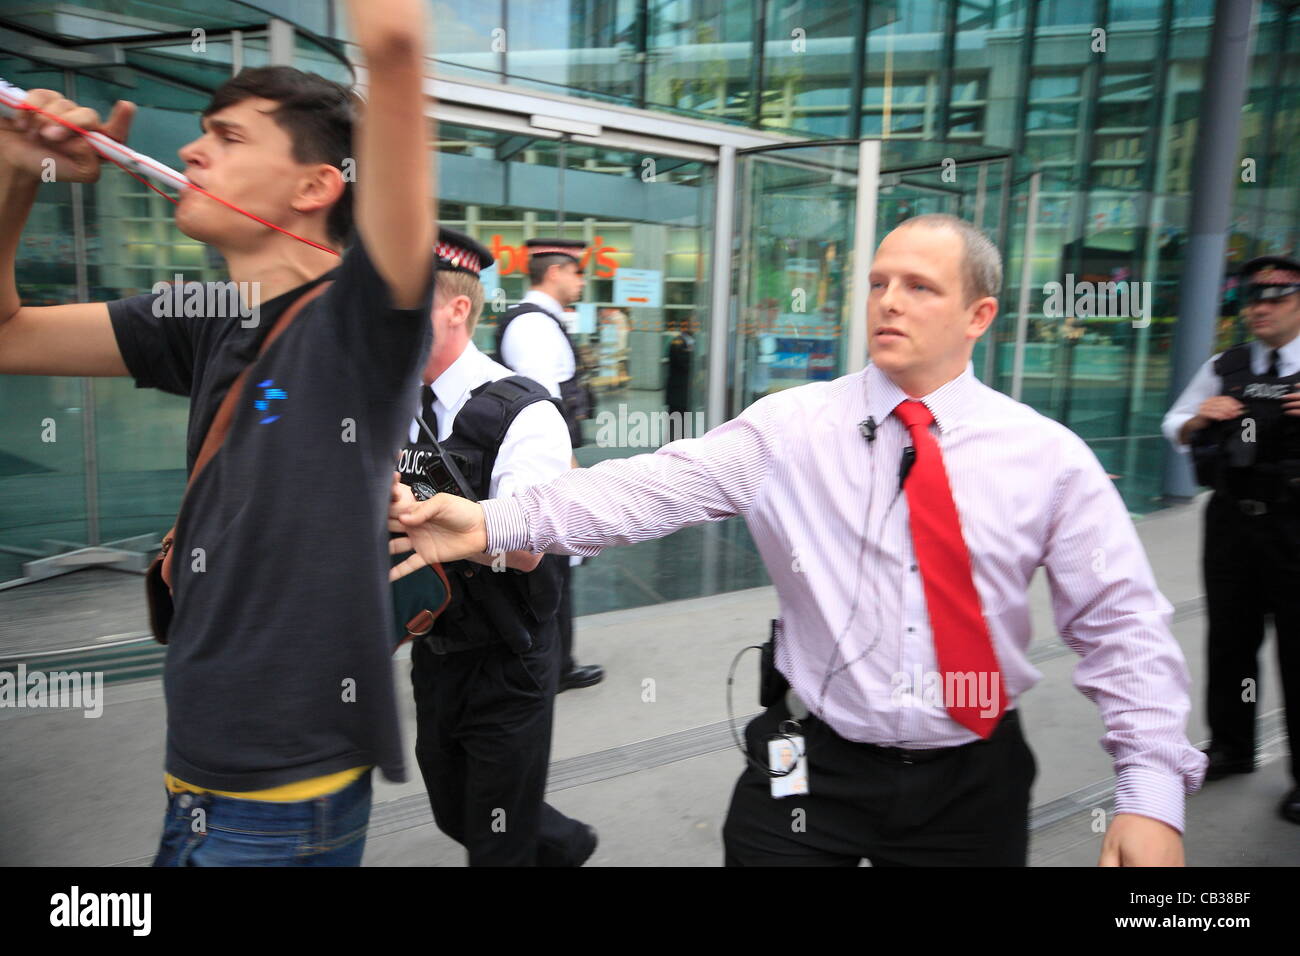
column 485, row 669
column 1251, row 559
column 677, row 388
column 531, row 339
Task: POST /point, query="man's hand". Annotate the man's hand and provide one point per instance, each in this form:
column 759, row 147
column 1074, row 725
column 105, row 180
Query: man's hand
column 1220, row 408
column 1217, row 408
column 444, row 528
column 29, row 139
column 1291, row 403
column 1133, row 840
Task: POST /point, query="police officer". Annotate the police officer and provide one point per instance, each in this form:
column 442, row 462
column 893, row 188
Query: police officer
column 1241, row 417
column 532, row 340
column 677, row 386
column 485, row 668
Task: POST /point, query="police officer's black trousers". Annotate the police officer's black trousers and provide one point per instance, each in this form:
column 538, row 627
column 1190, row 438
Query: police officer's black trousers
column 483, row 741
column 1252, row 569
column 961, row 806
column 564, row 618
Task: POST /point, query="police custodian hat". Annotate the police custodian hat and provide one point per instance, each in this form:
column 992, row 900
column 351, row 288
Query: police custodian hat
column 457, row 252
column 573, row 248
column 1270, row 277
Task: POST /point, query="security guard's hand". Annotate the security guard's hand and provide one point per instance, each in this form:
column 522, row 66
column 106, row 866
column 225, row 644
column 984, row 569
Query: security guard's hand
column 1291, row 403
column 1221, row 408
column 29, row 141
column 444, row 528
column 1134, row 840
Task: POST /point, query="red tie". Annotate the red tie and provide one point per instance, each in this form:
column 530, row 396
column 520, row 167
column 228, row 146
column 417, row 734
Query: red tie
column 961, row 638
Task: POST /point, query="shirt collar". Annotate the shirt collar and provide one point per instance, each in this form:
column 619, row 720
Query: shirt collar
column 947, row 403
column 1289, row 353
column 547, row 302
column 458, row 378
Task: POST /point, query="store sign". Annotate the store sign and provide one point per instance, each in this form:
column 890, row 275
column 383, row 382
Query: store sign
column 512, row 259
column 639, row 287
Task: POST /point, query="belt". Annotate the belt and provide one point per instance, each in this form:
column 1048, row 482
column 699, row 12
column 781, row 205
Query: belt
column 908, row 756
column 1254, row 507
column 447, row 645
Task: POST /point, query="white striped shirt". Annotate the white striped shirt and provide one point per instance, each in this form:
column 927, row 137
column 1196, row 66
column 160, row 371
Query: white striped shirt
column 824, row 508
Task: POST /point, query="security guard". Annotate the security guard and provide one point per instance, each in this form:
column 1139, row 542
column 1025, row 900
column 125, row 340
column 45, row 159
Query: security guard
column 532, row 340
column 485, row 669
column 1241, row 416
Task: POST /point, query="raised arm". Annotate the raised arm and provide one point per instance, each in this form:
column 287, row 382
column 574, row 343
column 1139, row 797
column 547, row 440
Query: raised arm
column 72, row 339
column 394, row 180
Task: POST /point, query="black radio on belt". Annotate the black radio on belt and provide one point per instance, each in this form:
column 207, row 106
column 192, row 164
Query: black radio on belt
column 440, row 473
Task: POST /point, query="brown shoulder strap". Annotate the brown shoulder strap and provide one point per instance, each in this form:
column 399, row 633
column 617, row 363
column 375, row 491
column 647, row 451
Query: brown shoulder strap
column 226, row 412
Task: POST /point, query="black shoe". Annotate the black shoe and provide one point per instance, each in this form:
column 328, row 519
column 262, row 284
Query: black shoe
column 588, row 846
column 583, row 676
column 1223, row 764
column 1290, row 808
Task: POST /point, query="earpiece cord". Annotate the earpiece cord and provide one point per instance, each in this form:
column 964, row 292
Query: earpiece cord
column 877, row 627
column 85, row 134
column 731, row 722
column 857, row 585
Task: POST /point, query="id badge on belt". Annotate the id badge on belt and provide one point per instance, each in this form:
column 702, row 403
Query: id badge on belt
column 787, row 760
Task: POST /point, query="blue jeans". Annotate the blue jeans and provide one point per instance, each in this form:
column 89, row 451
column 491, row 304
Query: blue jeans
column 324, row 831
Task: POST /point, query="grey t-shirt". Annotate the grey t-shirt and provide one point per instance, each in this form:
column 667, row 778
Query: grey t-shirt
column 279, row 657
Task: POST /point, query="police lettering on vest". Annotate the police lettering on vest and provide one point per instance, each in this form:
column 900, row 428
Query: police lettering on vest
column 1257, row 456
column 486, row 604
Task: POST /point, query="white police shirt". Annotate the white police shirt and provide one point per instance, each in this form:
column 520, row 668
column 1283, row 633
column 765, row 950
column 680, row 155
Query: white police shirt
column 536, row 446
column 1206, row 384
column 534, row 346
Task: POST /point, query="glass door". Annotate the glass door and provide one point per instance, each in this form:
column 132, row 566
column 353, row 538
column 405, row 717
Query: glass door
column 796, row 225
column 806, row 210
column 642, row 325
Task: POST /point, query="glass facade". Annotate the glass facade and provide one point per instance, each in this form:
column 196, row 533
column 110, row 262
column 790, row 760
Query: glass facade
column 1098, row 96
column 1065, row 129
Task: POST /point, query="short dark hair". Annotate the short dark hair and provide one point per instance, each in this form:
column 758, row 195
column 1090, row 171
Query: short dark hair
column 537, row 266
column 318, row 114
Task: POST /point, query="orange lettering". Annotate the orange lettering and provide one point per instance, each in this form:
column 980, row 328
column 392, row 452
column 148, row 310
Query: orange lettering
column 504, row 255
column 603, row 258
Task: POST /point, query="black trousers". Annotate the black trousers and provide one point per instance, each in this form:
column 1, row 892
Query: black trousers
column 483, row 742
column 1252, row 569
column 564, row 617
column 963, row 806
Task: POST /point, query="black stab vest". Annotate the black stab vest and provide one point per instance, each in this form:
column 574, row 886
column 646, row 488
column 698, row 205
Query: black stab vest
column 576, row 402
column 475, row 440
column 1256, row 456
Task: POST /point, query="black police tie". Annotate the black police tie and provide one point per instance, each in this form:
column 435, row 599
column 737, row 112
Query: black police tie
column 427, row 411
column 1272, row 365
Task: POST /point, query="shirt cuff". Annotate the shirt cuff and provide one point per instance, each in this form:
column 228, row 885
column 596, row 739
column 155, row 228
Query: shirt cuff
column 507, row 526
column 1172, row 424
column 1151, row 793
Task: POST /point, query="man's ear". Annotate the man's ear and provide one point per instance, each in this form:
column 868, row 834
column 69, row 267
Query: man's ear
column 321, row 187
column 460, row 309
column 985, row 311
